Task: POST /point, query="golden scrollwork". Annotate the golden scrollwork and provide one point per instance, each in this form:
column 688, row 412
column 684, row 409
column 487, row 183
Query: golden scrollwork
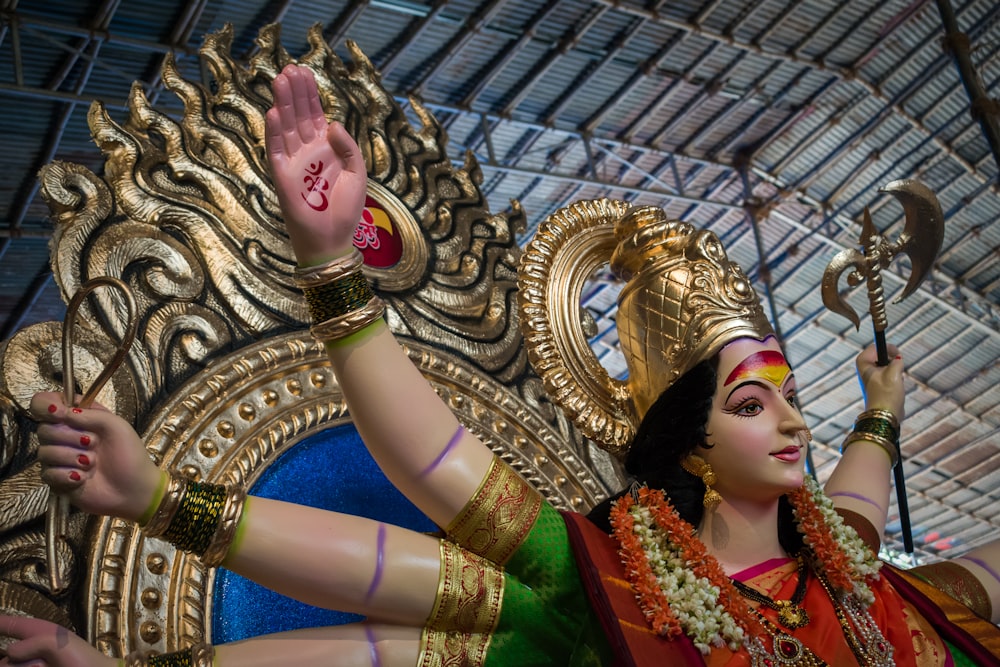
column 185, row 213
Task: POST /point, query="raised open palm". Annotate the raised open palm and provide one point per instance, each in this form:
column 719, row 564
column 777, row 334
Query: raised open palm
column 318, row 170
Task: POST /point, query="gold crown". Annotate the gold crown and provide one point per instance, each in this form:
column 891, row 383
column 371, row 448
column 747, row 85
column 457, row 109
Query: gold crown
column 683, row 300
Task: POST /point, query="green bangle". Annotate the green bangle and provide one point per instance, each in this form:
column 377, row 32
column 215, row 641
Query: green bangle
column 197, row 517
column 338, row 297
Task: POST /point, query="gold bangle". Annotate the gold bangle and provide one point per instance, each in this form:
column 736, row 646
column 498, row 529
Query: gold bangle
column 338, row 297
column 167, row 508
column 314, row 276
column 886, row 444
column 197, row 518
column 884, row 414
column 345, row 325
column 218, row 548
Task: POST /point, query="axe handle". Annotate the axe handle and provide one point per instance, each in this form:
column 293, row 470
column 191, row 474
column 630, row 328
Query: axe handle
column 901, row 503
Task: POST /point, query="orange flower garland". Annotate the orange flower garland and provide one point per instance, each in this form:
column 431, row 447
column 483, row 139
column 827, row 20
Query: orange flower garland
column 661, row 552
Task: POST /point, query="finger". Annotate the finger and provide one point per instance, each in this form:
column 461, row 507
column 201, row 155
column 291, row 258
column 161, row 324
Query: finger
column 316, row 108
column 347, row 150
column 62, row 435
column 64, row 481
column 304, row 93
column 285, row 105
column 46, row 406
column 273, row 139
column 91, row 420
column 22, row 627
column 65, row 457
column 31, row 650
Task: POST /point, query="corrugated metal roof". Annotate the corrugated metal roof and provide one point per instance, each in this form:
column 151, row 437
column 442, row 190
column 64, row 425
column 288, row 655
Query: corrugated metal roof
column 657, row 103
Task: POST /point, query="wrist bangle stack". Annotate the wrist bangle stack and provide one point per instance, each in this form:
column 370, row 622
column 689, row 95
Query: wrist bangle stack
column 199, row 655
column 198, row 517
column 879, row 427
column 340, row 299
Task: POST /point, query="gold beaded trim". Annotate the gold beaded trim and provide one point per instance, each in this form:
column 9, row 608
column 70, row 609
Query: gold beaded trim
column 345, row 325
column 470, row 591
column 498, row 517
column 959, row 583
column 452, row 649
column 199, row 655
column 335, row 269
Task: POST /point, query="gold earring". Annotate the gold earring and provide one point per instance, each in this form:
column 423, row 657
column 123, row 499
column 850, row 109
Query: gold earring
column 699, row 467
column 809, row 436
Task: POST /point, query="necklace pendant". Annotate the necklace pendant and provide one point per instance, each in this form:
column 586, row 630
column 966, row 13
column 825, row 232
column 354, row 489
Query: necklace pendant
column 792, row 616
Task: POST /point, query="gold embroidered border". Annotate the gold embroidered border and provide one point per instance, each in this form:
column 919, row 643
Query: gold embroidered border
column 959, row 583
column 469, row 595
column 452, row 649
column 499, row 516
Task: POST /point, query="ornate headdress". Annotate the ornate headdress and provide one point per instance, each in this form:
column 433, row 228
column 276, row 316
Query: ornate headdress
column 682, row 302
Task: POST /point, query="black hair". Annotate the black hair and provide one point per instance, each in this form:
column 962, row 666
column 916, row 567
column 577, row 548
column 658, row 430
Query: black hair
column 672, row 428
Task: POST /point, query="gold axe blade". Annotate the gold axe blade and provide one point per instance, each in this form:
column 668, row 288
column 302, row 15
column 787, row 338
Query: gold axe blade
column 920, row 240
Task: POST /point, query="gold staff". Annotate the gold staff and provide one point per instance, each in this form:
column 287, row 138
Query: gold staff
column 58, row 510
column 921, row 238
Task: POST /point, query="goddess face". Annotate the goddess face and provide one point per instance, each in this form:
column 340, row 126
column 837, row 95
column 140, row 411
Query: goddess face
column 755, row 435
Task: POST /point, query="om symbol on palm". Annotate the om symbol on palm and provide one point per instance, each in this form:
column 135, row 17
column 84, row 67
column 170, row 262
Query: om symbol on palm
column 315, row 185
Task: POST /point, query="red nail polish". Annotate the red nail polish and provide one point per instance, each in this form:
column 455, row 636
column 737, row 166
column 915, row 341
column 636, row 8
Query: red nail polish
column 83, row 460
column 85, row 440
column 53, row 408
column 74, row 475
column 77, row 410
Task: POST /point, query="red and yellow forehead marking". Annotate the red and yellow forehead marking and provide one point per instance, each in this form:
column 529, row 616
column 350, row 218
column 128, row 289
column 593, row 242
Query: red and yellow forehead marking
column 767, row 364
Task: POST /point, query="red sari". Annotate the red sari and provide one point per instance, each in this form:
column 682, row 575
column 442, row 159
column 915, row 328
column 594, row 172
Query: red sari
column 909, row 619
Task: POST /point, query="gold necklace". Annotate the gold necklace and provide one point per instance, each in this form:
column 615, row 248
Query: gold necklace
column 791, row 613
column 863, row 637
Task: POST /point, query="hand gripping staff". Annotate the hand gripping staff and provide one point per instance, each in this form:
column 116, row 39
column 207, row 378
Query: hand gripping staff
column 921, row 238
column 58, row 509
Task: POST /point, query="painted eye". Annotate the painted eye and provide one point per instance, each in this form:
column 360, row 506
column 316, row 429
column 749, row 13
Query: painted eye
column 750, row 410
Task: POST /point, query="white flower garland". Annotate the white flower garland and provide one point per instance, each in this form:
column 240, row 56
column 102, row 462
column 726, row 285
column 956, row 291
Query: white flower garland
column 694, row 600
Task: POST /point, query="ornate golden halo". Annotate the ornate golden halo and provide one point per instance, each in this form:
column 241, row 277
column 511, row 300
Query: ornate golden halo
column 569, row 246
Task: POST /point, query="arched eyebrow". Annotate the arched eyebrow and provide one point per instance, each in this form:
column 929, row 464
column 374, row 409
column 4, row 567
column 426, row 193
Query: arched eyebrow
column 748, row 383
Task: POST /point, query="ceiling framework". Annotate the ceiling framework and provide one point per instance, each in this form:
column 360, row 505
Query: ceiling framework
column 772, row 122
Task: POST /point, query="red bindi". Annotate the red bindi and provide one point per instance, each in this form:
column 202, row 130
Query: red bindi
column 53, row 407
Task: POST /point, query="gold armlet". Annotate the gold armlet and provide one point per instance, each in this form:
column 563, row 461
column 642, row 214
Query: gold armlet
column 959, row 583
column 498, row 517
column 198, row 517
column 199, row 655
column 452, row 649
column 466, row 610
column 470, row 590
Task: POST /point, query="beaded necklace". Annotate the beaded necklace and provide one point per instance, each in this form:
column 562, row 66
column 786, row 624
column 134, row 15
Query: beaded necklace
column 682, row 589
